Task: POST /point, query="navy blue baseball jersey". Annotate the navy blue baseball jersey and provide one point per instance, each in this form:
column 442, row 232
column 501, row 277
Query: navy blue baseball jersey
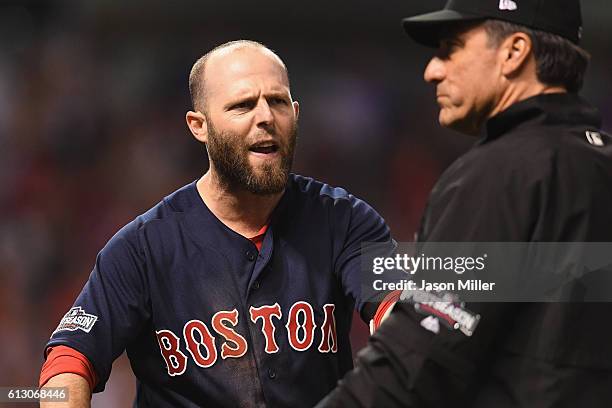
column 207, row 320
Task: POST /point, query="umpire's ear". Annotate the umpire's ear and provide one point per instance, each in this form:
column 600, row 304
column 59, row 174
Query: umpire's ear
column 196, row 122
column 517, row 56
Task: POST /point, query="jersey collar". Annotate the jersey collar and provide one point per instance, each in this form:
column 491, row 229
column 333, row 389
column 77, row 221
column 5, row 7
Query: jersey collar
column 549, row 109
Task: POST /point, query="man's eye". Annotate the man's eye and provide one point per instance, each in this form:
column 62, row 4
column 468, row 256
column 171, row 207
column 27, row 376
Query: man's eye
column 240, row 105
column 278, row 101
column 446, row 49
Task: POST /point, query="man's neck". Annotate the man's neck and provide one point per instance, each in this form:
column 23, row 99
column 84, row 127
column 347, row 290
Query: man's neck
column 522, row 90
column 241, row 211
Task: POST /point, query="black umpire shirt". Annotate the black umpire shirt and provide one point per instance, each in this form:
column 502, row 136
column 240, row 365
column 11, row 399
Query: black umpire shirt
column 542, row 172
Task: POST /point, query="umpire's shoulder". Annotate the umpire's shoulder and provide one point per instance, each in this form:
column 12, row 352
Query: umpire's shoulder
column 520, row 156
column 547, row 151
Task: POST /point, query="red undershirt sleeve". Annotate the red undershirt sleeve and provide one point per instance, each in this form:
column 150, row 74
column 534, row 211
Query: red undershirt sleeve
column 64, row 359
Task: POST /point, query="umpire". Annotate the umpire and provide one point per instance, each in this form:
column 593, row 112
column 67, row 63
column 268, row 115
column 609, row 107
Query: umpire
column 541, row 171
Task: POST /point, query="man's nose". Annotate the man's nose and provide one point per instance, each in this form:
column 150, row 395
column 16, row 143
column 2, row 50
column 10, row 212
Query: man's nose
column 263, row 114
column 434, row 71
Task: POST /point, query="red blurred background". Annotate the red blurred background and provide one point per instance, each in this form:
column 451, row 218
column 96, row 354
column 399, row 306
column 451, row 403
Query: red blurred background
column 92, row 133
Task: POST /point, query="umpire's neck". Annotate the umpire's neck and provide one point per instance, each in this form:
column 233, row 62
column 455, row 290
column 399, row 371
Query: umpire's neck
column 240, row 210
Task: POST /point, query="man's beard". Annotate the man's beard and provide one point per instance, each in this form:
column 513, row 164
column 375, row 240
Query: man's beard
column 230, row 158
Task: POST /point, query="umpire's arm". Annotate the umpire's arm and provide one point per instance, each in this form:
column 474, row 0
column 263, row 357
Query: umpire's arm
column 406, row 365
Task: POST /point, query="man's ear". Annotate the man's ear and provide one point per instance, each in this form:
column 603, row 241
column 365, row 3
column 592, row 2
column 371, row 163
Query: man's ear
column 296, row 109
column 516, row 52
column 196, row 122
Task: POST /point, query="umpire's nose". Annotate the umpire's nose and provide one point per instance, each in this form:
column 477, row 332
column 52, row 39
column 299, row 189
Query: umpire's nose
column 434, row 71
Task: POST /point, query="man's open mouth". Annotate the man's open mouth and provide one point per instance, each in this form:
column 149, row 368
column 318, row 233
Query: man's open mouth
column 264, row 148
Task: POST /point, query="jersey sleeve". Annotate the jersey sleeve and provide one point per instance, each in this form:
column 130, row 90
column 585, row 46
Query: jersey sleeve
column 111, row 308
column 364, row 226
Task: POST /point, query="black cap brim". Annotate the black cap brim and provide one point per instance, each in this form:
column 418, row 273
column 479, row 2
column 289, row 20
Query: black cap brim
column 426, row 28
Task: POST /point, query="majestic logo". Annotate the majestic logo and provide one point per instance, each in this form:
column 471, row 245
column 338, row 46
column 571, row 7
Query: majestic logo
column 77, row 319
column 507, row 5
column 594, row 138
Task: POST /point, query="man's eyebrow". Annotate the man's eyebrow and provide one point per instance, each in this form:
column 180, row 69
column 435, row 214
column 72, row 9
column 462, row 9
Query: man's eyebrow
column 240, row 99
column 455, row 32
column 247, row 96
column 457, row 40
column 277, row 93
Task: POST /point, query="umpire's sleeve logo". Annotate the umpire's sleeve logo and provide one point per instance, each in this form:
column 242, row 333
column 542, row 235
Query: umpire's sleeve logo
column 76, row 319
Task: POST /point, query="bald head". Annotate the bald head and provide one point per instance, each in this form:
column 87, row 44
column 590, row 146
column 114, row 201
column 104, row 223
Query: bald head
column 216, row 58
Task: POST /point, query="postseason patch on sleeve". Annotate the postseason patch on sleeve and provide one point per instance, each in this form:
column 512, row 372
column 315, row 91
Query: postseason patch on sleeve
column 77, row 319
column 446, row 307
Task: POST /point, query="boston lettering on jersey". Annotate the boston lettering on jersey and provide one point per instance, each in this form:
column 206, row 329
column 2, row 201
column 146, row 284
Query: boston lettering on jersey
column 200, row 341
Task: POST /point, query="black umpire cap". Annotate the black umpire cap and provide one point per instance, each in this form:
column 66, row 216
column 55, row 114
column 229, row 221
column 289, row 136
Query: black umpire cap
column 561, row 17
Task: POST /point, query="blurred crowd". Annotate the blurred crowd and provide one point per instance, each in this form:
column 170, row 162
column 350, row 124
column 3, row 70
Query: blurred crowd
column 92, row 133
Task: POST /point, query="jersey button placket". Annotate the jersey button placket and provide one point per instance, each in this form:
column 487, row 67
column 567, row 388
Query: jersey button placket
column 271, row 373
column 251, row 256
column 256, row 285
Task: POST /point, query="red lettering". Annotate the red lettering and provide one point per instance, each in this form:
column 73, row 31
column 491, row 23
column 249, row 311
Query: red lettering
column 294, row 326
column 206, row 340
column 265, row 313
column 169, row 343
column 328, row 330
column 240, row 344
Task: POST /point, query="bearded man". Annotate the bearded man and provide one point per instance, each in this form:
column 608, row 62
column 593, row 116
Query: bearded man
column 238, row 289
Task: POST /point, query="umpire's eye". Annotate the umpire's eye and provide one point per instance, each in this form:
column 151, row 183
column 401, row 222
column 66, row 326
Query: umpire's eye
column 447, row 47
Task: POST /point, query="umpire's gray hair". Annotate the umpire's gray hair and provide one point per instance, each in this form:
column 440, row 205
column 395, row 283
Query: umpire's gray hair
column 197, row 80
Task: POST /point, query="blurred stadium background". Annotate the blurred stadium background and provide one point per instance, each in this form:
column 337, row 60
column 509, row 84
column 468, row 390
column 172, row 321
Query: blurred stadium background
column 92, row 101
